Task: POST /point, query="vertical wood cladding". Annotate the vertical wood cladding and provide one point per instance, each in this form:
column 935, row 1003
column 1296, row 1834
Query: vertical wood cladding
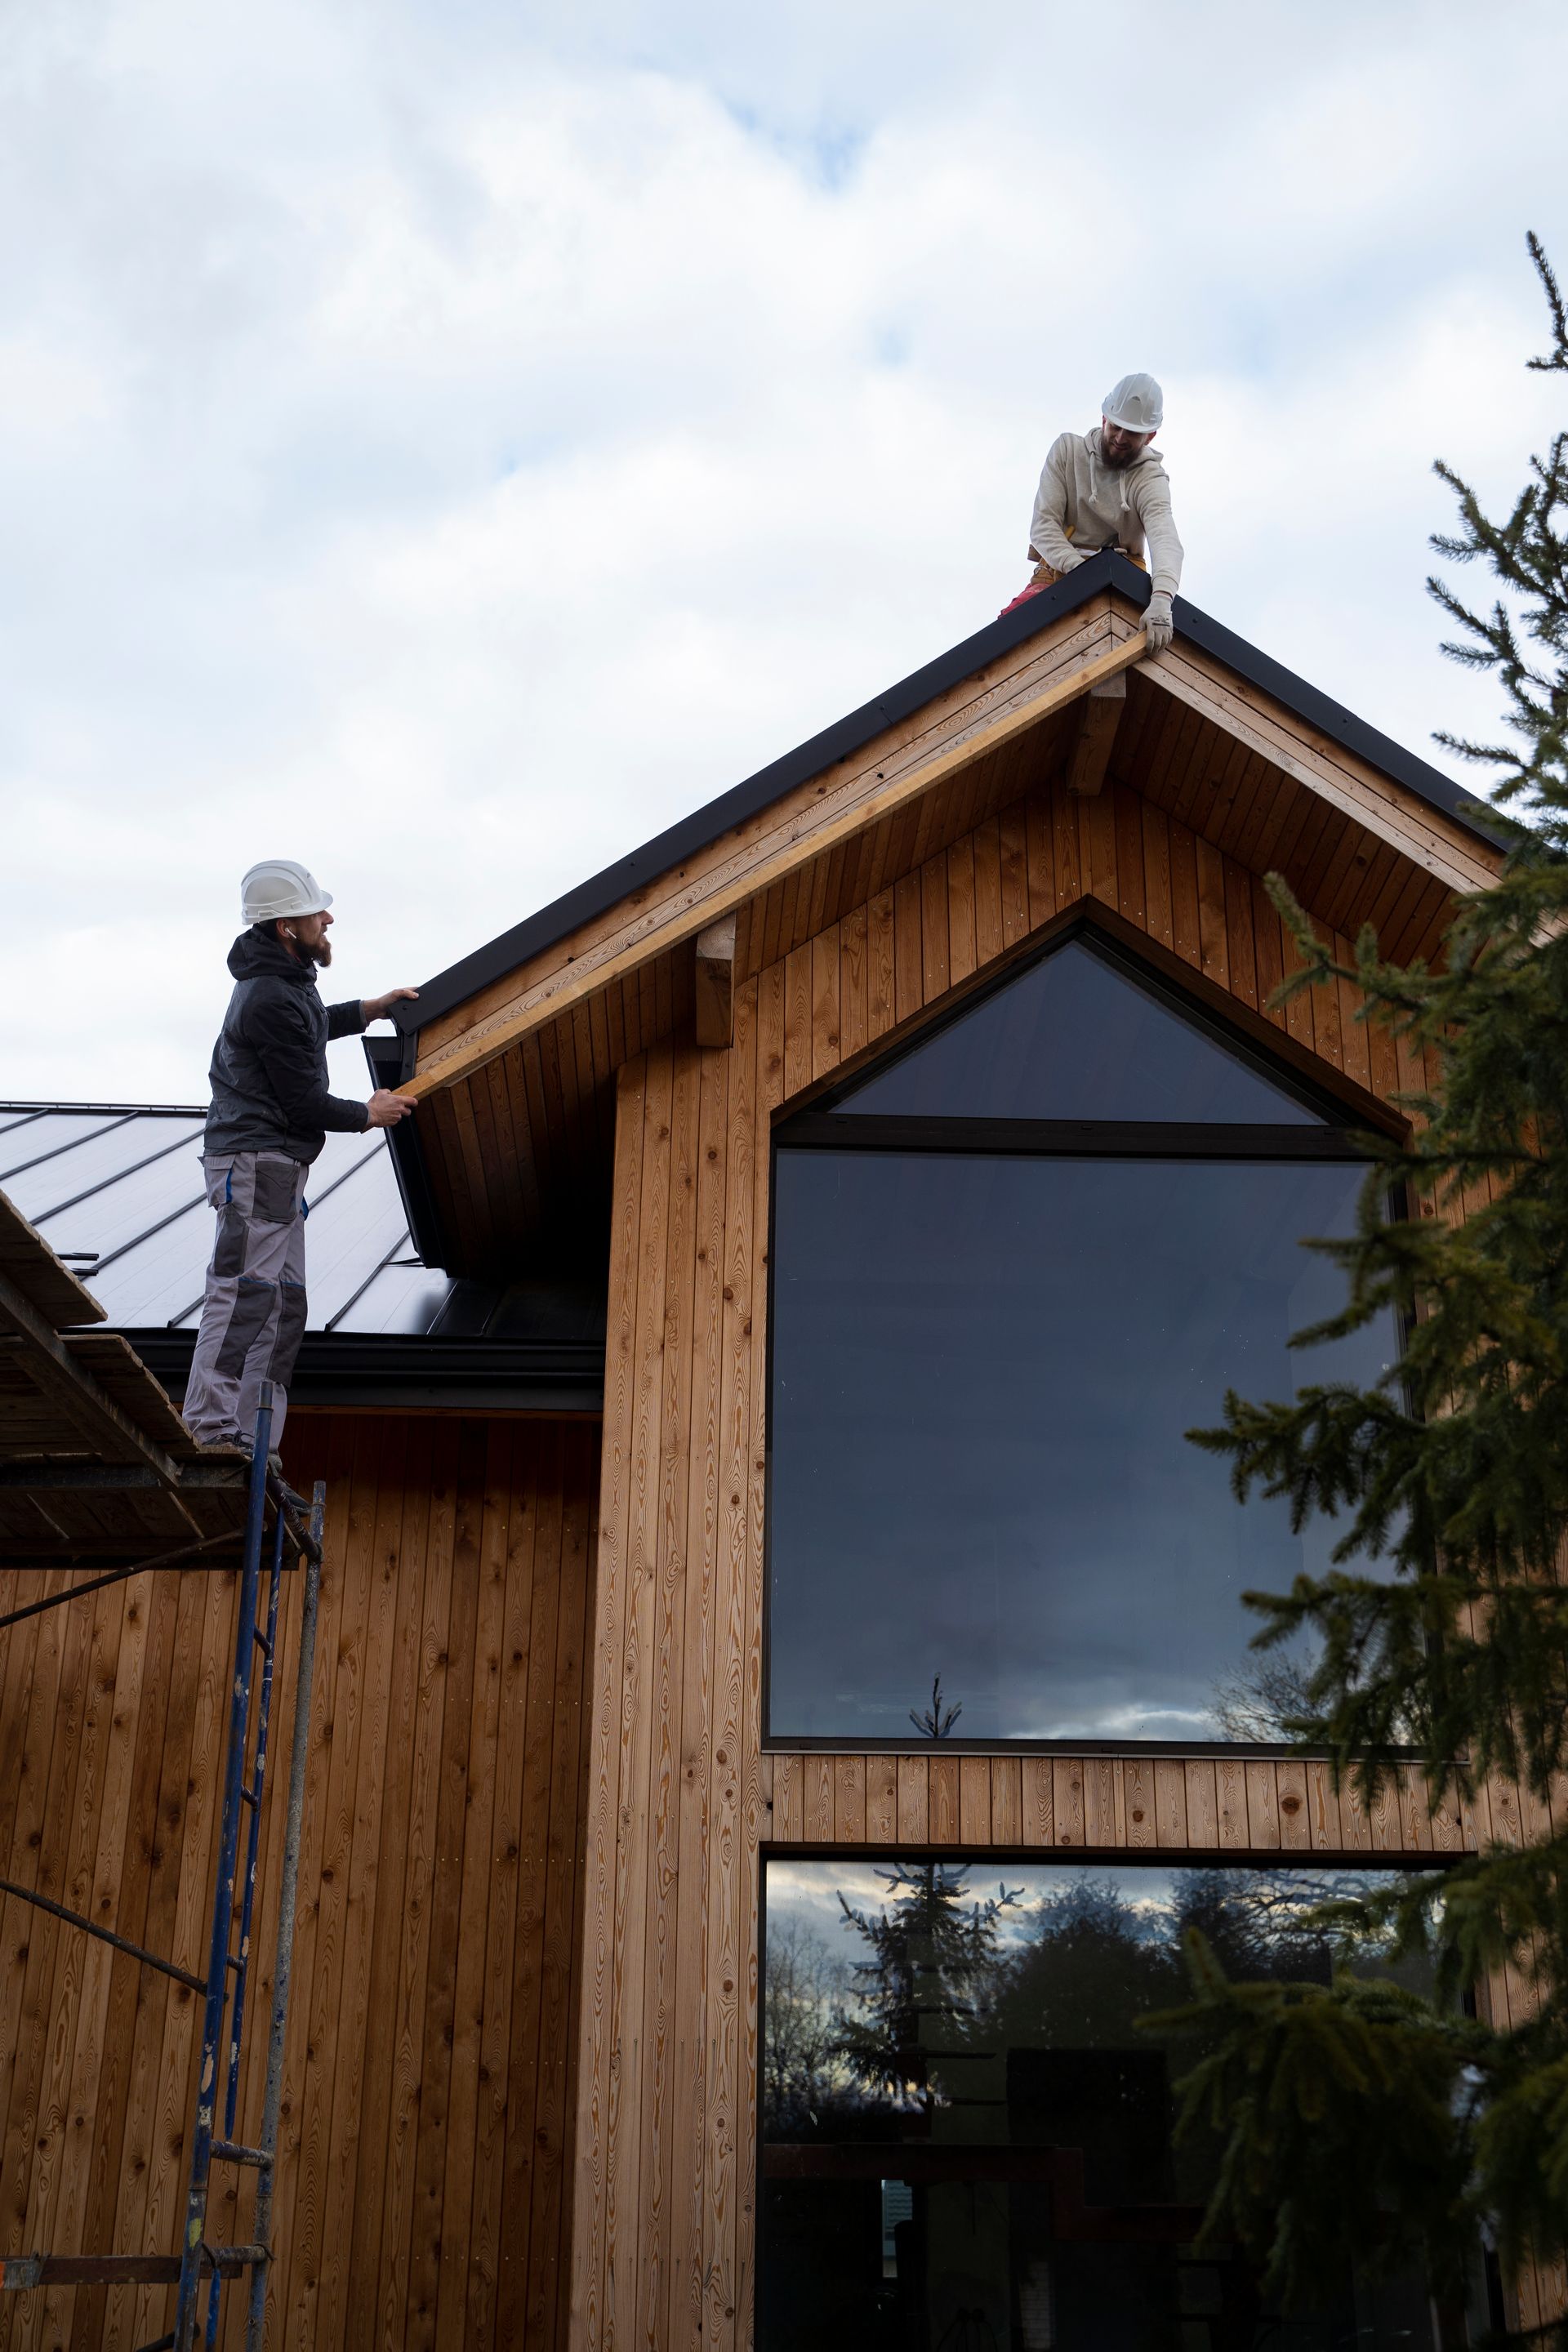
column 428, row 2101
column 680, row 1796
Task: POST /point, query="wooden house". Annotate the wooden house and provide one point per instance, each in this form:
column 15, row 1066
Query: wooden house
column 844, row 1206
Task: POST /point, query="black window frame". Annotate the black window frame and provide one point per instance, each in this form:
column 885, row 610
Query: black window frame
column 817, row 1125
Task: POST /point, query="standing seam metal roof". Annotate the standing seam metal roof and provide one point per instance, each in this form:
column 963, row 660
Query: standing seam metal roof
column 113, row 1192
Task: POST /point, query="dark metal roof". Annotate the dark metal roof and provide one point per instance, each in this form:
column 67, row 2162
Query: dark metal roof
column 116, row 1190
column 743, row 801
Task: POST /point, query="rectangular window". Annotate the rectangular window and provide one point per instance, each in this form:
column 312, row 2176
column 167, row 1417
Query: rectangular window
column 984, row 1370
column 966, row 2141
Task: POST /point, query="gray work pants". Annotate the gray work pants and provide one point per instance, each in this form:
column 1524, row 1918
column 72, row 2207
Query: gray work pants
column 253, row 1316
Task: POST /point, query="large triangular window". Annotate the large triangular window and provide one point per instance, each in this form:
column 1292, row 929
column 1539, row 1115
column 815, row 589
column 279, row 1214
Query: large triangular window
column 1077, row 1036
column 1011, row 1266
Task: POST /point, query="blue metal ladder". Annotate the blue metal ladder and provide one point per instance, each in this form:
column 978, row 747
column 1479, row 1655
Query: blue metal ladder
column 199, row 2262
column 229, row 1967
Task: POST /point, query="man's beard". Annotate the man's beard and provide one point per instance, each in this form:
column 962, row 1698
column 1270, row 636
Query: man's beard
column 321, row 953
column 1118, row 464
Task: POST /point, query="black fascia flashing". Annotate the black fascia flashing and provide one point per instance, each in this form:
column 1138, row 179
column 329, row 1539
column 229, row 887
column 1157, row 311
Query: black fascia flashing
column 106, row 1110
column 705, row 825
column 394, row 1369
column 1342, row 726
column 390, row 1060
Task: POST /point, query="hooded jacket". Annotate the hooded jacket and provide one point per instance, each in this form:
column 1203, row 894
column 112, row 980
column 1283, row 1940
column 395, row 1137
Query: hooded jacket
column 1083, row 505
column 268, row 1069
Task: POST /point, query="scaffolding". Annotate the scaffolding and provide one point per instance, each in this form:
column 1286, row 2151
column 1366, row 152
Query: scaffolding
column 274, row 1541
column 94, row 1461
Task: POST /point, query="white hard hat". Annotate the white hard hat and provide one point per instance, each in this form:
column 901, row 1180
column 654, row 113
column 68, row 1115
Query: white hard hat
column 278, row 886
column 1136, row 403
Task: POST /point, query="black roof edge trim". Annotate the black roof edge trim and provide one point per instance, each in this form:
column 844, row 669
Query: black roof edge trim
column 390, row 1060
column 113, row 1110
column 1010, row 629
column 541, row 1400
column 390, row 1358
column 1342, row 726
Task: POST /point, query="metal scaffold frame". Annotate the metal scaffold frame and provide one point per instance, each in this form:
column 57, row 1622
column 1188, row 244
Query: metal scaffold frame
column 267, row 1554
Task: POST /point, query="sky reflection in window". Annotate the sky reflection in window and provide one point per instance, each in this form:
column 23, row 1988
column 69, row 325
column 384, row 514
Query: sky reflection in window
column 982, row 1372
column 1076, row 1037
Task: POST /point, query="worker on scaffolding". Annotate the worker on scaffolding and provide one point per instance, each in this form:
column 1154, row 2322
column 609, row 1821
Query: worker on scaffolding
column 269, row 1117
column 1105, row 488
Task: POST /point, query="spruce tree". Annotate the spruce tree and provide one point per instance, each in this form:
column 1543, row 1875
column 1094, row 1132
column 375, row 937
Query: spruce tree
column 932, row 1964
column 1362, row 2121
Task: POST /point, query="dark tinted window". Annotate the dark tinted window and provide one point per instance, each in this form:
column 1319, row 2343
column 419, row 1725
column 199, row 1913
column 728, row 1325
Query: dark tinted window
column 1074, row 1037
column 984, row 1369
column 954, row 2089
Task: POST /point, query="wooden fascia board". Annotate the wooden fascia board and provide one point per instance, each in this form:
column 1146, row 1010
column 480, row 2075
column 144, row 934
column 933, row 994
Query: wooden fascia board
column 1409, row 826
column 741, row 878
column 814, row 820
column 920, row 735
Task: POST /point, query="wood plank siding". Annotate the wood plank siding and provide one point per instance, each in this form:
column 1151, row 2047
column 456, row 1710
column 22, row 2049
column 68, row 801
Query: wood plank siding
column 682, row 1799
column 429, row 2102
column 1100, row 1804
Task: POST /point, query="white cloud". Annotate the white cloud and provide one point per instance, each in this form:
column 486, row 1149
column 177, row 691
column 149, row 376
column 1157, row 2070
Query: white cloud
column 447, row 444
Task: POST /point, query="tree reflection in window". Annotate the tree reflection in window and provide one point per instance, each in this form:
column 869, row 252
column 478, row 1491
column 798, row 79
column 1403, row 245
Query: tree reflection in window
column 978, row 2135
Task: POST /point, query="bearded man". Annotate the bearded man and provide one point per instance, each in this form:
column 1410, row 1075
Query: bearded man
column 1109, row 488
column 269, row 1117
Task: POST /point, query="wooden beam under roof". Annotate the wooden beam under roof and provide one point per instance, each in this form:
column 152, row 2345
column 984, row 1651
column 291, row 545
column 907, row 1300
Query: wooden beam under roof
column 1099, row 721
column 714, row 986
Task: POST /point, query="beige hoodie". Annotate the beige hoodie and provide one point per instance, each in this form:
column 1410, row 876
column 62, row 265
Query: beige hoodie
column 1104, row 505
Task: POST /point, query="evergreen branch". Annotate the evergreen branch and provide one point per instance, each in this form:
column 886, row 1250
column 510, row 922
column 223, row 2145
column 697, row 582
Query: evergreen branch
column 1357, row 2123
column 1557, row 358
column 1344, row 2118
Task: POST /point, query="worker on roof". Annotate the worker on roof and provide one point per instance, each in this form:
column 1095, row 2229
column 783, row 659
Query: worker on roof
column 269, row 1117
column 1109, row 488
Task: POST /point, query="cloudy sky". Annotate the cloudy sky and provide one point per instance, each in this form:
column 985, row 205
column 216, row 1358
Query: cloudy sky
column 447, row 442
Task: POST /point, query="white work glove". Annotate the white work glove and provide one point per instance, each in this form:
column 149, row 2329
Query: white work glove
column 1159, row 627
